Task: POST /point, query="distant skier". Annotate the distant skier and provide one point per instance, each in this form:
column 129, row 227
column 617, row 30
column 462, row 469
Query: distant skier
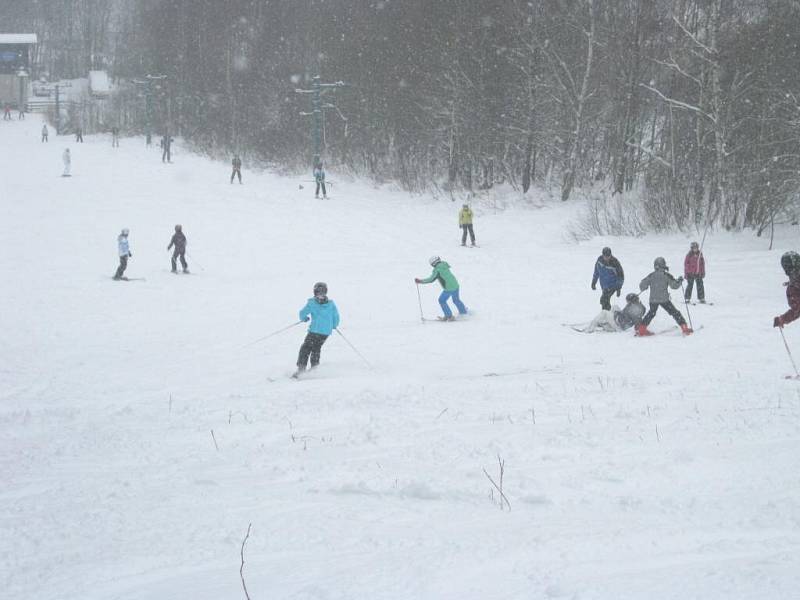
column 465, row 223
column 236, row 163
column 694, row 269
column 609, row 271
column 179, row 242
column 450, row 288
column 319, row 178
column 659, row 282
column 115, row 137
column 148, row 139
column 790, row 262
column 619, row 320
column 79, row 135
column 67, row 158
column 125, row 253
column 166, row 148
column 324, row 317
column 7, row 112
column 44, row 132
column 21, row 114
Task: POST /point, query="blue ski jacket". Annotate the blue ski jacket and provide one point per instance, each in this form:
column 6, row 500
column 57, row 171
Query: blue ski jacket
column 609, row 273
column 122, row 245
column 324, row 317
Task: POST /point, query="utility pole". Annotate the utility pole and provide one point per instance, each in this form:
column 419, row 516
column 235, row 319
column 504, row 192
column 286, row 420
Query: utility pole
column 317, row 107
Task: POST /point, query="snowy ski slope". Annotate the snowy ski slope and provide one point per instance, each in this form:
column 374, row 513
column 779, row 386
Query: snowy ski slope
column 658, row 468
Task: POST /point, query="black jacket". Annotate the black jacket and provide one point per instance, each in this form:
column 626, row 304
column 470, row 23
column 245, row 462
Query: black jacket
column 179, row 241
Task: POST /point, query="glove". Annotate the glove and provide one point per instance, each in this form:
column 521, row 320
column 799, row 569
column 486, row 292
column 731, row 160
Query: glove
column 417, row 280
column 778, row 322
column 594, row 286
column 130, row 254
column 618, row 292
column 168, row 248
column 307, row 319
column 680, row 279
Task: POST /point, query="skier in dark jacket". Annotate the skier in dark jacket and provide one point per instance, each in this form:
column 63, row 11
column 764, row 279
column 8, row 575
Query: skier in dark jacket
column 319, row 178
column 179, row 242
column 790, row 262
column 694, row 269
column 659, row 282
column 79, row 135
column 166, row 148
column 324, row 318
column 609, row 272
column 236, row 163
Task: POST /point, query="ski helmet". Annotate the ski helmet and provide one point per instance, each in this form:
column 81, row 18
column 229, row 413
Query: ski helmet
column 660, row 263
column 320, row 288
column 631, row 297
column 695, row 246
column 434, row 260
column 178, row 227
column 790, row 261
column 606, row 251
column 125, row 231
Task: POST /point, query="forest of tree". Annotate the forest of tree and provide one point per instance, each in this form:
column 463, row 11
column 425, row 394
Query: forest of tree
column 694, row 105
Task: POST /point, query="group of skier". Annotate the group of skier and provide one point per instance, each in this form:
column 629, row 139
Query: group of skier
column 178, row 242
column 609, row 273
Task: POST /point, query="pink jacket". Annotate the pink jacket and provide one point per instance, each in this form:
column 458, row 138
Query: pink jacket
column 694, row 265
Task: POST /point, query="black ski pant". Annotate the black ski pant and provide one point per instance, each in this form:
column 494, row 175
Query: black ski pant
column 464, row 230
column 79, row 138
column 44, row 138
column 324, row 193
column 605, row 298
column 235, row 173
column 312, row 346
column 667, row 306
column 123, row 264
column 175, row 256
column 701, row 291
column 165, row 155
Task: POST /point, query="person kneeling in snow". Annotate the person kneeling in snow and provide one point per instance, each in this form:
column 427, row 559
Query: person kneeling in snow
column 324, row 319
column 619, row 320
column 659, row 282
column 442, row 274
column 790, row 262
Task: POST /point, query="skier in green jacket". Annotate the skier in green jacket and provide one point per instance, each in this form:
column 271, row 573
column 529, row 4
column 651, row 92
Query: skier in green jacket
column 442, row 274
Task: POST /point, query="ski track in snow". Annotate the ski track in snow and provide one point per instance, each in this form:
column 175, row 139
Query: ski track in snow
column 656, row 468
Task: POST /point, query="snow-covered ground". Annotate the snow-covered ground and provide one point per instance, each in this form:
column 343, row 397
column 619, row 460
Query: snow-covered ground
column 657, row 468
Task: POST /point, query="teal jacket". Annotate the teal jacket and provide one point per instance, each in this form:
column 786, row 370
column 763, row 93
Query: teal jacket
column 442, row 274
column 324, row 317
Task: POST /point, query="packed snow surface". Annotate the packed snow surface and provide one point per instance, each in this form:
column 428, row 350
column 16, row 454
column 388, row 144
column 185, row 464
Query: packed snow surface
column 656, row 468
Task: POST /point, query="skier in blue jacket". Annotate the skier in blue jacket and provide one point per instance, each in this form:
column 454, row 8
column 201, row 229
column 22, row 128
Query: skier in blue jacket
column 324, row 318
column 124, row 251
column 609, row 271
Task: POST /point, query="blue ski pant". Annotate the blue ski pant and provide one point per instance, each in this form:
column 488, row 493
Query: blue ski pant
column 445, row 296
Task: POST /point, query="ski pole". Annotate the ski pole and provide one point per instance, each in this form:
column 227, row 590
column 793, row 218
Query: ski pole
column 686, row 304
column 274, row 333
column 194, row 261
column 354, row 348
column 789, row 352
column 419, row 297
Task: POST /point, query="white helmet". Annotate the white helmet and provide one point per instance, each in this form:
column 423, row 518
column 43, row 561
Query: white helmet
column 433, row 260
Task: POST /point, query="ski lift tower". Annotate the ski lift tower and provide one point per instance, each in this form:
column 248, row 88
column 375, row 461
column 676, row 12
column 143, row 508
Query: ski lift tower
column 317, row 107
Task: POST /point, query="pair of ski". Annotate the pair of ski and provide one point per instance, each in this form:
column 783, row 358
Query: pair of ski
column 443, row 319
column 128, row 279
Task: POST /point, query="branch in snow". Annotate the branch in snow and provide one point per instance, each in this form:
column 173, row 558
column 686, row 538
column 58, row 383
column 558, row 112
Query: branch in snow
column 241, row 568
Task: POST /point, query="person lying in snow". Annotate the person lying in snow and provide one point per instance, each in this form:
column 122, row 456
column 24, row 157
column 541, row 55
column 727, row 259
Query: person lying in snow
column 619, row 320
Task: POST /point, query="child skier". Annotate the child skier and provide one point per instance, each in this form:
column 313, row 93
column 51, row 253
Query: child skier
column 694, row 269
column 179, row 242
column 324, row 319
column 609, row 271
column 619, row 320
column 450, row 288
column 465, row 223
column 790, row 262
column 236, row 163
column 319, row 178
column 67, row 162
column 659, row 282
column 124, row 253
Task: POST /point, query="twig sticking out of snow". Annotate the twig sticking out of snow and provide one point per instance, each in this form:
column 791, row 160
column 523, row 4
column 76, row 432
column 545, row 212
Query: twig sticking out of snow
column 241, row 568
column 503, row 500
column 213, row 437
